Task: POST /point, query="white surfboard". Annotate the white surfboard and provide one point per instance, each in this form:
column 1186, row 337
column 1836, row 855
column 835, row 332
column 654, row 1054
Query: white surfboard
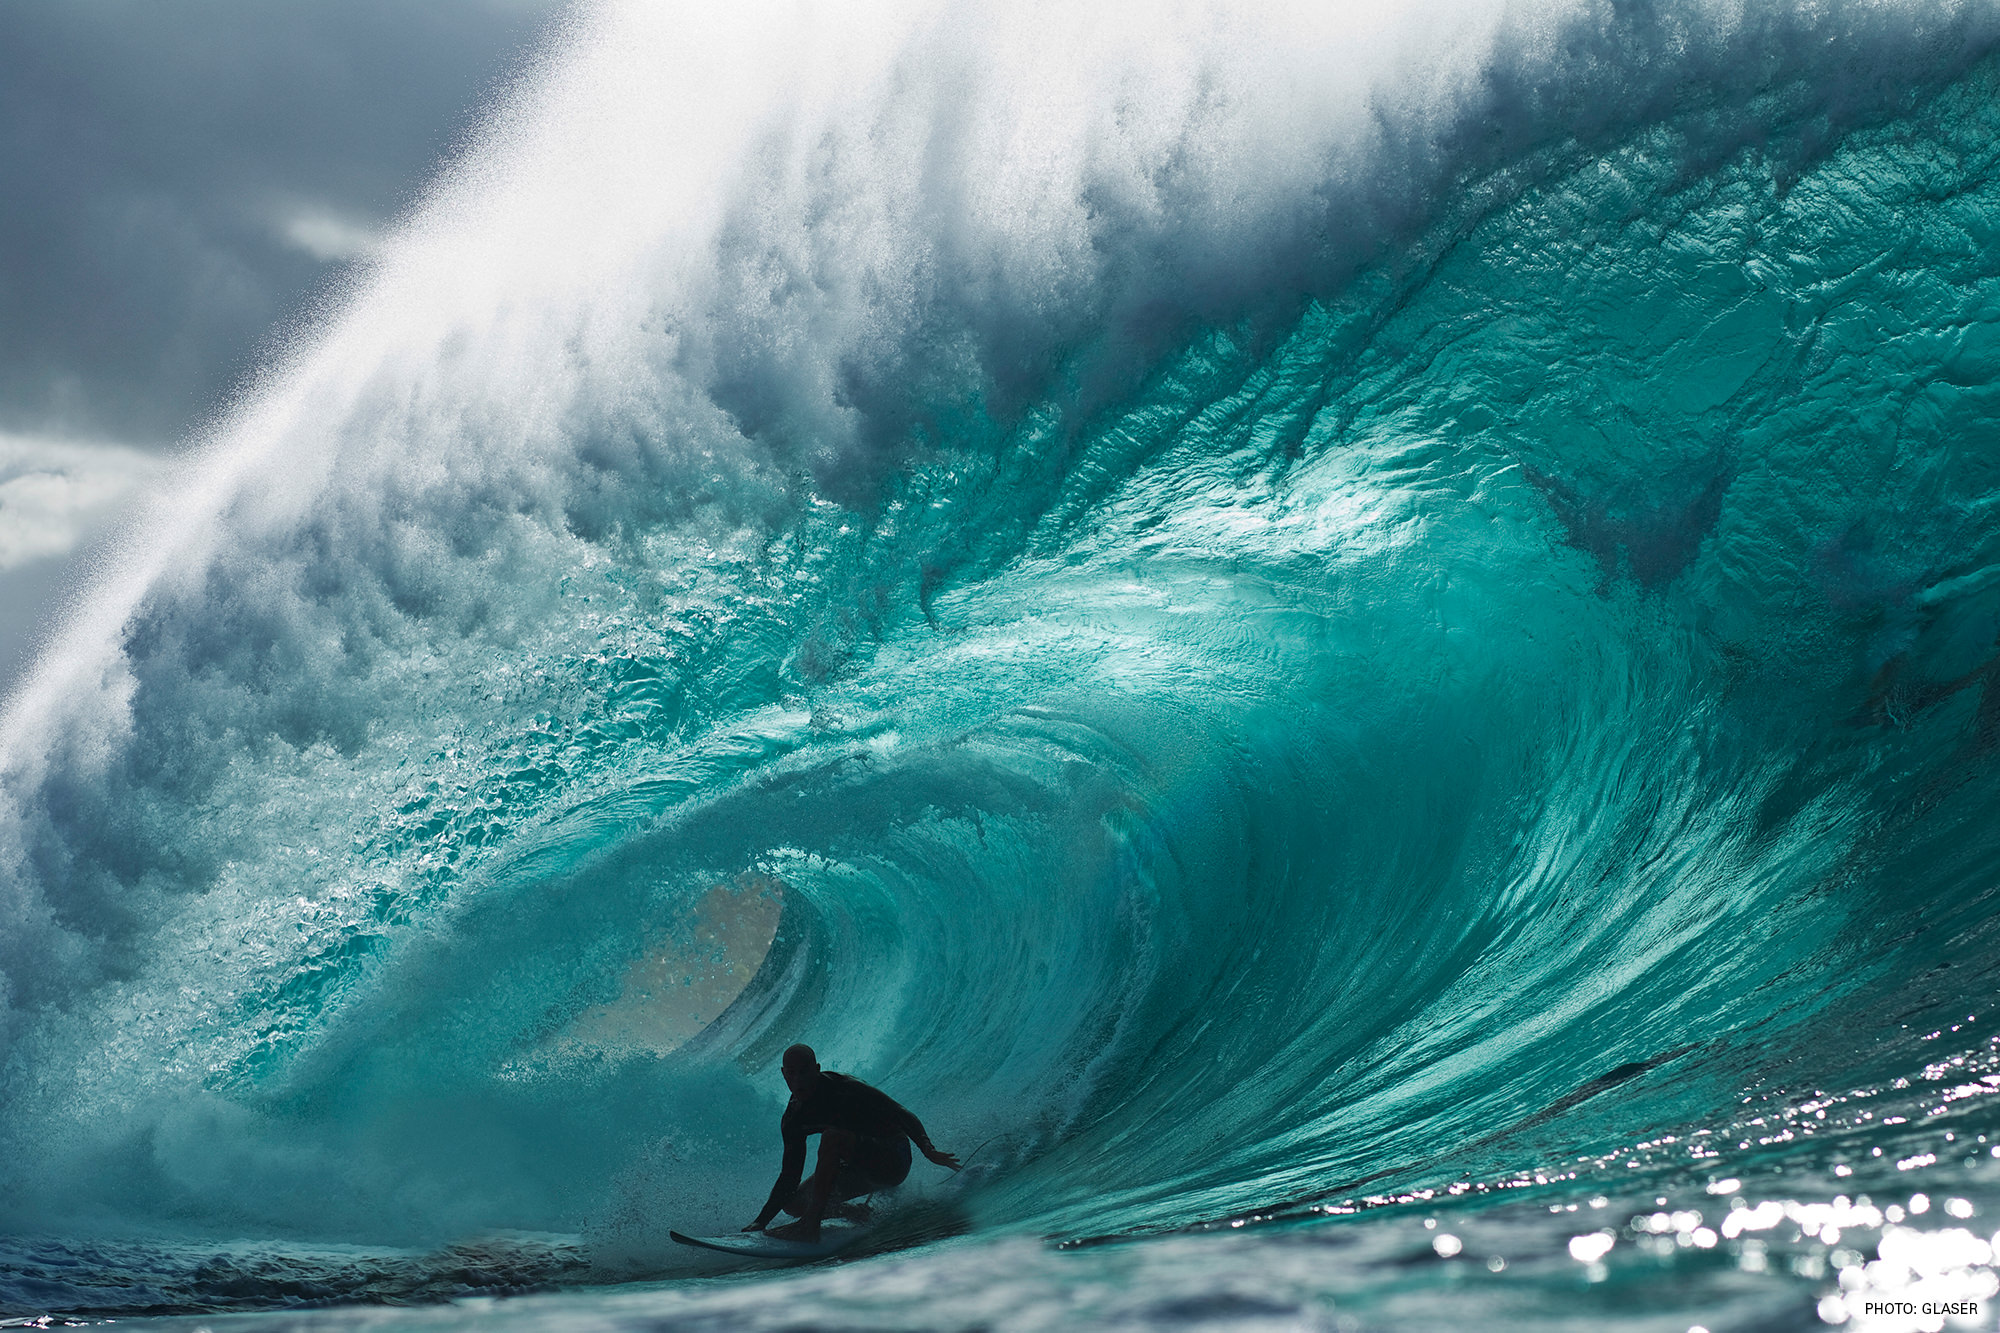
column 762, row 1245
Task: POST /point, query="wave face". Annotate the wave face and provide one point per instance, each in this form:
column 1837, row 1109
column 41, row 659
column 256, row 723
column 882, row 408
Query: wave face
column 1281, row 606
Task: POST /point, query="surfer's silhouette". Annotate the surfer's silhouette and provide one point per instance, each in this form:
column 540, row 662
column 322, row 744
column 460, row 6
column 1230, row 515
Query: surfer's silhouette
column 864, row 1146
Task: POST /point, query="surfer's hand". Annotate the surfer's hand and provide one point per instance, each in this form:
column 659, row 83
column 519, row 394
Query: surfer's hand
column 941, row 1158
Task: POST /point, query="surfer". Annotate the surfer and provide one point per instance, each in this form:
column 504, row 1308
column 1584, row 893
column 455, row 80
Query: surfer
column 864, row 1146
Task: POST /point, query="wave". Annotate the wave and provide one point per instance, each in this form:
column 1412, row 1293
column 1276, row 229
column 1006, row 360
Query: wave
column 1232, row 605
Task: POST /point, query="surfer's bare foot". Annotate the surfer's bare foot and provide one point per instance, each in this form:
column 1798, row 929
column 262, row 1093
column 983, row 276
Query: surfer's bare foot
column 851, row 1212
column 800, row 1230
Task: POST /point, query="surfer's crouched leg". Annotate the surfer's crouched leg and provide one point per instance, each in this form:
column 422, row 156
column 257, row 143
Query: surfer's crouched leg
column 836, row 1147
column 816, row 1192
column 849, row 1167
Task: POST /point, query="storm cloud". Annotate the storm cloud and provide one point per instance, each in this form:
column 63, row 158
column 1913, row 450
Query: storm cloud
column 180, row 177
column 177, row 182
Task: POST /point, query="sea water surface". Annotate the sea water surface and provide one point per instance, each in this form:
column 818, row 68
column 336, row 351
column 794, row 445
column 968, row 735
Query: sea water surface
column 1359, row 650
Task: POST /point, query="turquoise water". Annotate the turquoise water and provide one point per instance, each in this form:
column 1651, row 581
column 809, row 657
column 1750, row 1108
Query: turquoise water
column 1359, row 661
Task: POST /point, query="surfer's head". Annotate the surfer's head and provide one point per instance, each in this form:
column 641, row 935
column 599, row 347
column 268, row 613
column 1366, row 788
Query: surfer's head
column 800, row 1067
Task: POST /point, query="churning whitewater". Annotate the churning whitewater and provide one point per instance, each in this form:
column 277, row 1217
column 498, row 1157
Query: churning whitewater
column 1378, row 633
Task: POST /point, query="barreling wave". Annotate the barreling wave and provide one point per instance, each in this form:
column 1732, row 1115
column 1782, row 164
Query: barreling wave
column 1230, row 605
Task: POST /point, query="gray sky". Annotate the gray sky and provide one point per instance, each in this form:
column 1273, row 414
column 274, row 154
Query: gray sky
column 176, row 180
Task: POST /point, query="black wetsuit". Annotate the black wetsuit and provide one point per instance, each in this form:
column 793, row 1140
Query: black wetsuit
column 881, row 1125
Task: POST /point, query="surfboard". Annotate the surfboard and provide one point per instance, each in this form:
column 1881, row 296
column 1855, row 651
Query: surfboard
column 758, row 1245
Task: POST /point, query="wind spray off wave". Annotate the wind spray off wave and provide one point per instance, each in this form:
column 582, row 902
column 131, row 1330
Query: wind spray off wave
column 1260, row 604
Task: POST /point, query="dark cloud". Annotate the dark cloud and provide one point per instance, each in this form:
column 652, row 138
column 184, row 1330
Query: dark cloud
column 177, row 178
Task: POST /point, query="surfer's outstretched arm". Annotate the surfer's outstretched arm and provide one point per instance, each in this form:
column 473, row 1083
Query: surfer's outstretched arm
column 915, row 1129
column 788, row 1178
